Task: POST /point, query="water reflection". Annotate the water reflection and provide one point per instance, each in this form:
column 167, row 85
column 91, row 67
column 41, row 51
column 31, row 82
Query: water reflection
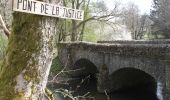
column 135, row 93
column 159, row 91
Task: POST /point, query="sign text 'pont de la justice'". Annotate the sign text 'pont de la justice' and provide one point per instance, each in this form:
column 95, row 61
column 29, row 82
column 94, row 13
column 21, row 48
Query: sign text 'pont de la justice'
column 41, row 8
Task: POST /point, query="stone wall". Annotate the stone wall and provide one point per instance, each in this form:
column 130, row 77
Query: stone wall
column 151, row 57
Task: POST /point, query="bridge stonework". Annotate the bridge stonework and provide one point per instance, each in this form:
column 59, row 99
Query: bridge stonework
column 151, row 57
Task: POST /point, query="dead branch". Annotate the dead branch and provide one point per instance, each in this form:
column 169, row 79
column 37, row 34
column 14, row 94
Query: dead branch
column 95, row 18
column 3, row 26
column 63, row 71
column 108, row 98
column 67, row 93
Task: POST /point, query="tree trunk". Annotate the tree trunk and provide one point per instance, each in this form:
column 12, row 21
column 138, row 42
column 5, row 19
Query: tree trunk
column 74, row 31
column 82, row 32
column 24, row 73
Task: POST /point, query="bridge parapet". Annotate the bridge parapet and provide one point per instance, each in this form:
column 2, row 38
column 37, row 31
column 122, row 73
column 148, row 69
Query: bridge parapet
column 135, row 48
column 163, row 41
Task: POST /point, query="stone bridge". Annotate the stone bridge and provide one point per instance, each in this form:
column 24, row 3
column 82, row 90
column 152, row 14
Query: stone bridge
column 121, row 64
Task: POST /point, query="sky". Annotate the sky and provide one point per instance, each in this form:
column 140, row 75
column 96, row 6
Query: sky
column 144, row 5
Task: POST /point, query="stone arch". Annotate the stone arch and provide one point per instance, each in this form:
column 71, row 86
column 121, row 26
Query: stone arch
column 87, row 76
column 84, row 67
column 131, row 78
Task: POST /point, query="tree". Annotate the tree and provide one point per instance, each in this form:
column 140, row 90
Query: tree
column 93, row 11
column 144, row 26
column 138, row 24
column 131, row 19
column 25, row 69
column 160, row 15
column 70, row 28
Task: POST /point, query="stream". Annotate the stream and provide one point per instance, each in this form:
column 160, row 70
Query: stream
column 88, row 89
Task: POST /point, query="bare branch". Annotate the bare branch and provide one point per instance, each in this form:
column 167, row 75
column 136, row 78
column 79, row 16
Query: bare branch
column 63, row 71
column 67, row 93
column 93, row 18
column 107, row 95
column 6, row 31
column 81, row 2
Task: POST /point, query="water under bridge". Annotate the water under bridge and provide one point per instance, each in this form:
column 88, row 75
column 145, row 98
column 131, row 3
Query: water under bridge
column 120, row 64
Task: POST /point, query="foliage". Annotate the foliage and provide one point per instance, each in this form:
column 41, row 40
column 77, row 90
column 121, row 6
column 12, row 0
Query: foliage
column 90, row 34
column 160, row 15
column 91, row 37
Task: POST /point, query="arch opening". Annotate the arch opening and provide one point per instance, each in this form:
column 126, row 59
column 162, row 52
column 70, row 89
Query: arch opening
column 86, row 76
column 131, row 81
column 84, row 67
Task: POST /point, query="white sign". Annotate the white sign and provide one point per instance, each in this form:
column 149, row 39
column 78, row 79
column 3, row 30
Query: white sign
column 41, row 8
